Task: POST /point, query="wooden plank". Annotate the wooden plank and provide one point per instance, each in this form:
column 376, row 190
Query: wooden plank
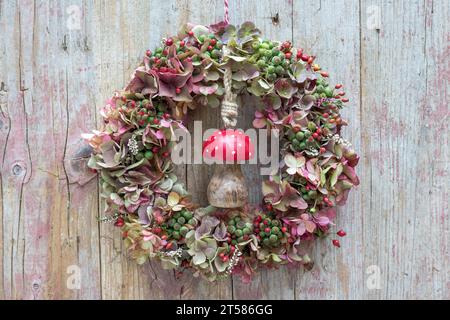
column 431, row 243
column 330, row 31
column 397, row 203
column 274, row 19
column 46, row 233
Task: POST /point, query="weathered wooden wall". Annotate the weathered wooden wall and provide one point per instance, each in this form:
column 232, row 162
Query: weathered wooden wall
column 55, row 74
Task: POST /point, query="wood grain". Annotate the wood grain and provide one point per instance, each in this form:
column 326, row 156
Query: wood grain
column 57, row 68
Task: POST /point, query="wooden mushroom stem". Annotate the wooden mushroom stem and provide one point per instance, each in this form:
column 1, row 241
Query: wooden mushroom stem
column 227, row 188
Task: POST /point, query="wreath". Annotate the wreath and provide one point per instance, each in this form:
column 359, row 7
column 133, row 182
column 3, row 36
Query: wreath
column 212, row 66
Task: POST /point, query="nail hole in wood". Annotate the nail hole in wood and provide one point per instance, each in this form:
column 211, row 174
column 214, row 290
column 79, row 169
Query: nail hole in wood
column 276, row 19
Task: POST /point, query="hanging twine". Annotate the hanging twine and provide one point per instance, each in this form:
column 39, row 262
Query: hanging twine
column 226, row 17
column 229, row 108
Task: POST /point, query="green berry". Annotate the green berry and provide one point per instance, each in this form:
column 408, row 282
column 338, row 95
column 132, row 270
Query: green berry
column 275, row 223
column 266, row 242
column 275, row 51
column 148, row 154
column 231, row 229
column 234, row 242
column 176, row 226
column 312, row 210
column 300, row 135
column 271, row 69
column 265, row 45
column 240, row 225
column 187, row 215
column 276, row 60
column 238, row 233
column 246, row 230
column 273, row 238
column 307, row 134
column 312, row 126
column 262, row 234
column 312, row 194
column 176, row 235
column 181, row 220
column 275, row 230
column 329, row 92
column 237, row 218
column 261, row 64
column 192, row 222
column 171, row 222
column 295, row 142
column 279, row 70
column 184, row 230
column 139, row 156
column 240, row 239
column 272, row 77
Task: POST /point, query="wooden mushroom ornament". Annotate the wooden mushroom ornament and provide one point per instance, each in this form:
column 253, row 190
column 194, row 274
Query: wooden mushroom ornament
column 228, row 147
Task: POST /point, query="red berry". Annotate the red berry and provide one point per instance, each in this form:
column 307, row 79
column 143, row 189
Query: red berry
column 341, row 93
column 157, row 230
column 324, row 74
column 310, row 139
column 296, row 129
column 326, row 199
column 325, row 115
column 169, row 245
column 148, row 53
column 166, row 116
column 178, row 90
column 156, row 121
column 246, row 237
column 310, row 60
column 133, row 103
column 166, row 154
column 191, row 33
column 341, row 233
column 125, row 234
column 213, row 42
column 319, row 131
column 210, row 48
column 286, row 45
column 164, row 237
column 165, row 52
column 119, row 222
column 182, row 43
column 266, row 222
column 222, row 254
column 163, row 69
column 284, row 229
column 322, row 150
column 299, row 53
column 338, row 86
column 336, row 243
column 232, row 249
column 345, row 100
column 315, row 135
column 257, row 230
column 305, row 57
column 169, row 42
column 225, row 259
column 269, row 206
column 155, row 149
column 267, row 230
column 288, row 55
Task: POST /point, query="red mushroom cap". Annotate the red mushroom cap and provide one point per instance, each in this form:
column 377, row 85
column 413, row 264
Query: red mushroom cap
column 228, row 145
